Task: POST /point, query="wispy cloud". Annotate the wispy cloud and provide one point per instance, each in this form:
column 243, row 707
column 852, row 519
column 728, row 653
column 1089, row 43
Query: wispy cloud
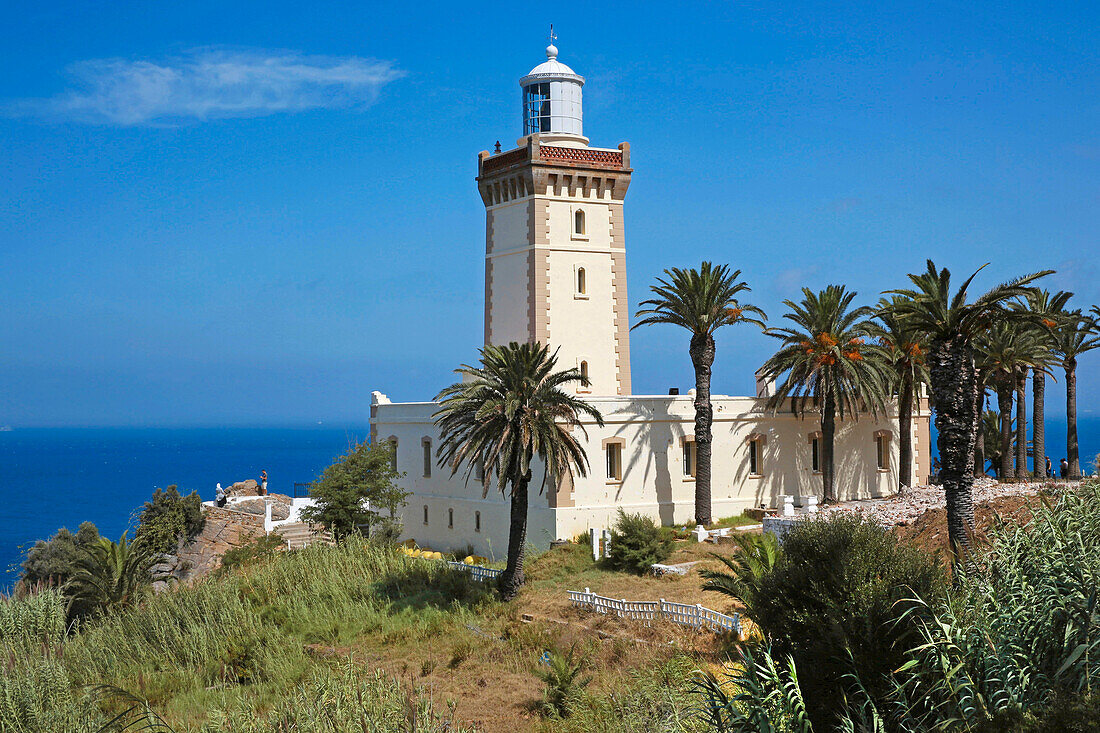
column 210, row 83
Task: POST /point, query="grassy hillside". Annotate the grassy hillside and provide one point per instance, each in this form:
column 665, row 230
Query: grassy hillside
column 348, row 638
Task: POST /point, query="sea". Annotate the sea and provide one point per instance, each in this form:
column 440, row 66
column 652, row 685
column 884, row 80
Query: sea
column 60, row 477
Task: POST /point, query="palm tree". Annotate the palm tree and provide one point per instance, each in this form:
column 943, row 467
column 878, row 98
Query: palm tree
column 701, row 301
column 1077, row 335
column 501, row 416
column 1007, row 351
column 991, row 429
column 1051, row 310
column 828, row 363
column 952, row 324
column 111, row 575
column 906, row 350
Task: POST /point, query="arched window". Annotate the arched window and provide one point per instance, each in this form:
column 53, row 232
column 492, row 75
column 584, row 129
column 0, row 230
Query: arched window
column 425, row 515
column 578, row 221
column 584, row 373
column 582, row 282
column 477, row 521
column 450, row 518
column 393, row 453
column 427, row 445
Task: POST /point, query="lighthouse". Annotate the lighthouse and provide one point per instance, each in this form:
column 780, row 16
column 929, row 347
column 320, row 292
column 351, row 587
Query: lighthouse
column 555, row 238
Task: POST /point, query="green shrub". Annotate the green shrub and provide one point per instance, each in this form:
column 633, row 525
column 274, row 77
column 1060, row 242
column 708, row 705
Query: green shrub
column 53, row 560
column 260, row 548
column 561, row 679
column 831, row 602
column 637, row 543
column 364, row 473
column 168, row 518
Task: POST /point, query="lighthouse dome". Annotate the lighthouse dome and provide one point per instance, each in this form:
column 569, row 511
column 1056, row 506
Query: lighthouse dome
column 552, row 101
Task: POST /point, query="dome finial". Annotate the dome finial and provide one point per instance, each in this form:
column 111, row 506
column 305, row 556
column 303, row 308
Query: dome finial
column 552, row 50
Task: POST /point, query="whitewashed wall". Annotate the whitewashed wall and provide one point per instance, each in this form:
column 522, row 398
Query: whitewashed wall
column 653, row 480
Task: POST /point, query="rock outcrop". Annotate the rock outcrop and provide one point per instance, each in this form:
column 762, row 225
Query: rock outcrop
column 244, row 488
column 224, row 529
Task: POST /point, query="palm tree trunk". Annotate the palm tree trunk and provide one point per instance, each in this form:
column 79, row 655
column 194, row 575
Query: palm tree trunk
column 512, row 577
column 1021, row 425
column 955, row 395
column 1038, row 423
column 905, row 436
column 828, row 438
column 702, row 357
column 1004, row 404
column 1072, row 454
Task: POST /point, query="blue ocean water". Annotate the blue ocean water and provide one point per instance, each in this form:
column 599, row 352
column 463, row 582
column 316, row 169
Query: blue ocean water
column 51, row 478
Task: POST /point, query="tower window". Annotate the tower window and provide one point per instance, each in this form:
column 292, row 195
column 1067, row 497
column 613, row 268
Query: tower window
column 427, row 444
column 450, row 518
column 582, row 281
column 578, row 221
column 477, row 521
column 614, row 461
column 536, row 108
column 425, row 515
column 479, row 471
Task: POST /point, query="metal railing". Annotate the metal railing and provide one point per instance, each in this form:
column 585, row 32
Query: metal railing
column 680, row 613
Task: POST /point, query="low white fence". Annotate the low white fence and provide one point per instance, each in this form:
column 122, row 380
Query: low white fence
column 476, row 571
column 680, row 613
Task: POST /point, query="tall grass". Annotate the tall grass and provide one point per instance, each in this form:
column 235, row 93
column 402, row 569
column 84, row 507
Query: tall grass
column 1014, row 644
column 236, row 642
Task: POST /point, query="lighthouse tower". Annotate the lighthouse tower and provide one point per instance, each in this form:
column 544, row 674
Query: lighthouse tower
column 555, row 245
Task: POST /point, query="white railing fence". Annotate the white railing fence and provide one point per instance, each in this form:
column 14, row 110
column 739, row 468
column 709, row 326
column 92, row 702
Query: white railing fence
column 680, row 613
column 476, row 571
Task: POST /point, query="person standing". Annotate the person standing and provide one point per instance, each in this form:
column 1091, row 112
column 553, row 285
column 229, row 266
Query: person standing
column 1063, row 468
column 1050, row 468
column 219, row 497
column 263, row 483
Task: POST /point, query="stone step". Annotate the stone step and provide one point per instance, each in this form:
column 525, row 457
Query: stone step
column 300, row 534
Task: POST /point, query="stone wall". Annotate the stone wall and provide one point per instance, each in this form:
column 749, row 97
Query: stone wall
column 223, row 530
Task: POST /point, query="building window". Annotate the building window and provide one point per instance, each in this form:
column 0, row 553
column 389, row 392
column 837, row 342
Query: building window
column 425, row 515
column 882, row 449
column 689, row 457
column 584, row 374
column 614, row 461
column 479, row 471
column 477, row 521
column 578, row 222
column 754, row 457
column 815, row 457
column 393, row 454
column 536, row 108
column 582, row 284
column 450, row 518
column 427, row 443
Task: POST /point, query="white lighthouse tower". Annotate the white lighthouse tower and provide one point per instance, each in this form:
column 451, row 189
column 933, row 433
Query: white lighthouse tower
column 555, row 245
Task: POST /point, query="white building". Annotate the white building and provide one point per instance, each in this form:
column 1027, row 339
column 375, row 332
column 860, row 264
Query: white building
column 555, row 272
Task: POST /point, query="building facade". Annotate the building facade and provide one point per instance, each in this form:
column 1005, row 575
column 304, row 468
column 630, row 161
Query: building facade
column 555, row 273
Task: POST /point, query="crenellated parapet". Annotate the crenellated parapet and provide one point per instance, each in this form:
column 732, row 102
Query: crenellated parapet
column 554, row 170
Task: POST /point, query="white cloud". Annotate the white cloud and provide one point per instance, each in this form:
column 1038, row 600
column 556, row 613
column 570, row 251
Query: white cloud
column 207, row 84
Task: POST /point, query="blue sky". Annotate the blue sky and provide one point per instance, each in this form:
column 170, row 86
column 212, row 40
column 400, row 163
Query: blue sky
column 245, row 213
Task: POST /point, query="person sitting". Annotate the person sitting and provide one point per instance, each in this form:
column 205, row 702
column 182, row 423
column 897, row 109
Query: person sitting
column 220, row 498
